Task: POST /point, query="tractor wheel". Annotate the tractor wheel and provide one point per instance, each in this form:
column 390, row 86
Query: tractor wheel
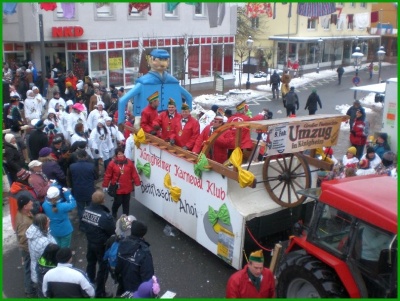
column 304, row 276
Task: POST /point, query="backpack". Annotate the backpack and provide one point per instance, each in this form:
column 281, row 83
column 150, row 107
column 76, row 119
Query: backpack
column 111, row 255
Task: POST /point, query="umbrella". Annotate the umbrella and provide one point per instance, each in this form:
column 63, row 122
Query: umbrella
column 315, row 9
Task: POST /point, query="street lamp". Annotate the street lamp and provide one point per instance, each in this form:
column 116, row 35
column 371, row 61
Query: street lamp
column 249, row 44
column 357, row 56
column 319, row 57
column 381, row 54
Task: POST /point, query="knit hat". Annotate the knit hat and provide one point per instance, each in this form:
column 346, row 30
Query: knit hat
column 370, row 149
column 145, row 290
column 53, row 192
column 69, row 102
column 328, row 151
column 241, row 105
column 364, row 164
column 314, row 90
column 257, row 256
column 291, row 88
column 357, row 102
column 171, row 102
column 64, row 255
column 44, row 152
column 122, row 89
column 39, row 125
column 22, row 201
column 8, row 137
column 352, row 150
column 388, row 158
column 23, row 174
column 153, row 97
column 138, row 229
column 185, row 107
column 123, row 225
column 34, row 163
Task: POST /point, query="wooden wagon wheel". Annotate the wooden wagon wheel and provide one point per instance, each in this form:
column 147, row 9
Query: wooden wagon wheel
column 283, row 175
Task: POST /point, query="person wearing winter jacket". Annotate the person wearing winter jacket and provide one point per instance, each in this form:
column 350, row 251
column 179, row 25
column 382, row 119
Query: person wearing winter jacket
column 312, row 103
column 290, row 102
column 57, row 208
column 39, row 237
column 12, row 155
column 123, row 171
column 99, row 226
column 135, row 262
column 101, row 144
column 275, row 82
column 357, row 135
column 381, row 145
column 51, row 168
column 38, row 180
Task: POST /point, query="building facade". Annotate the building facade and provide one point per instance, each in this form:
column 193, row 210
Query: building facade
column 110, row 41
column 324, row 41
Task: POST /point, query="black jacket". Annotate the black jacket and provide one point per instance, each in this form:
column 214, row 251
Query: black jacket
column 134, row 264
column 312, row 102
column 99, row 224
column 275, row 79
column 37, row 140
column 14, row 159
column 83, row 176
column 292, row 99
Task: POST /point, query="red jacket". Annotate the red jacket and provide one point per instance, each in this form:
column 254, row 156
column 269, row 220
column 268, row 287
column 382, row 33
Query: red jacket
column 167, row 125
column 246, row 139
column 129, row 176
column 188, row 135
column 73, row 80
column 357, row 136
column 219, row 152
column 240, row 286
column 149, row 114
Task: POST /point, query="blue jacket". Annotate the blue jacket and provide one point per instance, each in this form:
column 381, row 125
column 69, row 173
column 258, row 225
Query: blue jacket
column 60, row 225
column 83, row 176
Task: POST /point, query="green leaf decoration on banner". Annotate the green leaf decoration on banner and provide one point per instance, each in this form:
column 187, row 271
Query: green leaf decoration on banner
column 212, row 215
column 223, row 215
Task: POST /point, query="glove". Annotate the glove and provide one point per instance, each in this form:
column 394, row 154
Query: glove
column 96, row 151
column 153, row 133
column 64, row 189
column 156, row 127
column 172, row 141
column 105, row 189
column 185, row 148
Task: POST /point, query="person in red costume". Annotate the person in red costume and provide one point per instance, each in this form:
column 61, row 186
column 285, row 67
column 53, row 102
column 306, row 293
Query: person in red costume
column 253, row 281
column 123, row 171
column 149, row 114
column 166, row 121
column 219, row 151
column 187, row 129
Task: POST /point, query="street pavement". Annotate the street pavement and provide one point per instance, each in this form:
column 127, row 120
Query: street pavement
column 181, row 264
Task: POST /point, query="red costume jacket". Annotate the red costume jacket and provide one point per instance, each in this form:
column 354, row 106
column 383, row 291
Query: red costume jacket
column 149, row 114
column 187, row 135
column 219, row 152
column 167, row 125
column 73, row 80
column 129, row 176
column 240, row 286
column 357, row 136
column 246, row 139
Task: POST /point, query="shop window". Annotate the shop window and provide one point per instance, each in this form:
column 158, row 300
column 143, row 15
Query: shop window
column 78, row 63
column 66, row 11
column 104, row 11
column 205, row 61
column 170, row 14
column 228, row 59
column 255, row 22
column 341, row 22
column 115, row 68
column 132, row 63
column 311, row 23
column 194, row 67
column 177, row 63
column 99, row 66
column 217, row 58
column 353, row 4
column 325, row 22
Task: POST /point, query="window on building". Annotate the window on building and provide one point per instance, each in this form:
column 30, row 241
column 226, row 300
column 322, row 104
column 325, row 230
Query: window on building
column 178, row 62
column 350, row 23
column 115, row 67
column 363, row 5
column 98, row 62
column 104, row 10
column 255, row 22
column 194, row 66
column 217, row 58
column 311, row 23
column 353, row 4
column 341, row 20
column 325, row 22
column 205, row 61
column 136, row 14
column 168, row 13
column 341, row 4
column 199, row 9
column 228, row 59
column 66, row 11
column 132, row 62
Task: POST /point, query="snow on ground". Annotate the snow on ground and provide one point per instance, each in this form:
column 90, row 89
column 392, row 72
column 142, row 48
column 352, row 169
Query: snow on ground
column 9, row 237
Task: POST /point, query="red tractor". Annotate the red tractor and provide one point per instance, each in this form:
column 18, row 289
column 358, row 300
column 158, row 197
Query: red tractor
column 349, row 248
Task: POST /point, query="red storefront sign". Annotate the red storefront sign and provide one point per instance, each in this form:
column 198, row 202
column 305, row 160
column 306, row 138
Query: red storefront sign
column 66, row 31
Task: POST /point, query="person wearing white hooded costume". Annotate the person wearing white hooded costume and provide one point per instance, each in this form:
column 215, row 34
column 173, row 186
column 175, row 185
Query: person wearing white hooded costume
column 52, row 118
column 97, row 114
column 76, row 116
column 63, row 116
column 32, row 108
column 116, row 136
column 101, row 144
column 56, row 101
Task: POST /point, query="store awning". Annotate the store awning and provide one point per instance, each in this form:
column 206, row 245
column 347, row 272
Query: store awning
column 315, row 39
